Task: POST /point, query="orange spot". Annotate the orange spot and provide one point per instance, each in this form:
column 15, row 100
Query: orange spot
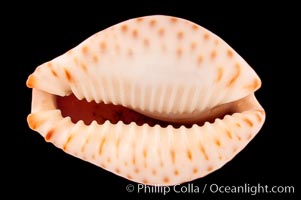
column 53, row 72
column 49, row 134
column 234, row 149
column 103, row 46
column 173, row 20
column 239, row 138
column 85, row 49
column 249, row 122
column 154, row 172
column 152, row 22
column 206, row 36
column 235, row 76
column 213, row 54
column 254, row 85
column 136, row 170
column 124, row 28
column 173, row 156
column 219, row 74
column 195, row 170
column 144, row 153
column 180, row 35
column 176, row 172
column 249, row 136
column 258, row 116
column 200, row 59
column 83, row 66
column 189, row 155
column 68, row 75
column 179, row 52
column 67, row 142
column 161, row 32
column 194, row 27
column 146, row 42
column 166, row 180
column 31, row 81
column 229, row 134
column 238, row 125
column 193, row 46
column 230, row 53
column 135, row 33
column 145, row 181
column 95, row 58
column 203, row 151
column 102, row 142
column 75, row 60
column 209, row 168
column 129, row 176
column 134, row 160
column 140, row 19
column 117, row 170
column 216, row 42
column 218, row 143
column 220, row 157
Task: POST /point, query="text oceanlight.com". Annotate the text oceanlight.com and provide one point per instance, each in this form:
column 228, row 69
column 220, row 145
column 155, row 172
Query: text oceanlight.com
column 212, row 188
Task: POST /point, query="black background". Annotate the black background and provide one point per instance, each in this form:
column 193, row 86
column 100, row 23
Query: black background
column 263, row 35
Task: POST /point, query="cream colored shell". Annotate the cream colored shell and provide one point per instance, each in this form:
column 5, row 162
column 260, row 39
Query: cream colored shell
column 164, row 67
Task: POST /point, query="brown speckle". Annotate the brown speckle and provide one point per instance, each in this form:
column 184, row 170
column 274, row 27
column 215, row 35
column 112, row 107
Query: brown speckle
column 213, row 54
column 206, row 36
column 134, row 160
column 83, row 66
column 180, row 35
column 238, row 125
column 145, row 181
column 53, row 72
column 165, row 180
column 195, row 170
column 129, row 177
column 140, row 19
column 235, row 76
column 258, row 117
column 229, row 134
column 103, row 46
column 173, row 20
column 146, row 42
column 238, row 138
column 152, row 22
column 173, row 156
column 85, row 50
column 249, row 136
column 117, row 170
column 176, row 172
column 124, row 28
column 217, row 142
column 200, row 59
column 135, row 33
column 209, row 168
column 248, row 121
column 193, row 46
column 154, row 172
column 67, row 142
column 189, row 155
column 161, row 32
column 194, row 27
column 102, row 142
column 68, row 75
column 95, row 58
column 230, row 53
column 49, row 134
column 219, row 74
column 136, row 170
column 203, row 151
column 144, row 153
